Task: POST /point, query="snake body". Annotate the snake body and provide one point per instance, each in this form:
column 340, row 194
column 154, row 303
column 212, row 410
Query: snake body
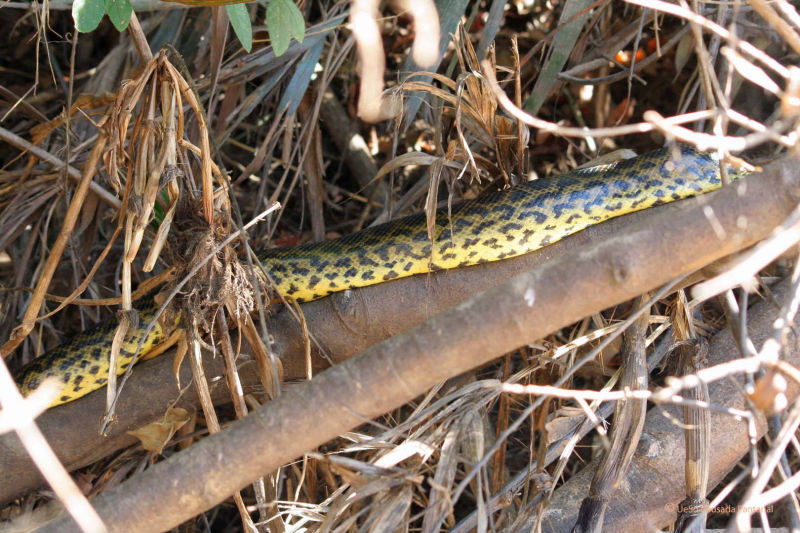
column 497, row 226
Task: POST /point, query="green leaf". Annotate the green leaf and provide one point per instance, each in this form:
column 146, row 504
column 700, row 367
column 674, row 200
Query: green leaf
column 240, row 20
column 87, row 14
column 284, row 21
column 119, row 11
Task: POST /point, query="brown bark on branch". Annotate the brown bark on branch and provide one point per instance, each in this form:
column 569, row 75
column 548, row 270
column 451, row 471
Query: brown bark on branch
column 667, row 243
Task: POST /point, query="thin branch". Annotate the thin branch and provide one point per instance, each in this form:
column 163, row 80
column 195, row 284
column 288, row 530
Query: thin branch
column 21, row 413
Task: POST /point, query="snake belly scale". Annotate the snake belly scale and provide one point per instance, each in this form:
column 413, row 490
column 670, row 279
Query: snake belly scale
column 497, row 226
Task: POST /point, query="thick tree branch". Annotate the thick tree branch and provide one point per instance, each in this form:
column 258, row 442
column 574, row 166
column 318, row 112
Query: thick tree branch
column 665, row 244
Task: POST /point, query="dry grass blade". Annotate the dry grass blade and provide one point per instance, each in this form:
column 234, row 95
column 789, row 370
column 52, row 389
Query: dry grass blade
column 439, row 500
column 53, row 259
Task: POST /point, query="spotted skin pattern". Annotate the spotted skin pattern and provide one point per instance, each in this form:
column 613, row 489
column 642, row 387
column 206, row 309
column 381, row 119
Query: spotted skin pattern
column 498, row 226
column 82, row 362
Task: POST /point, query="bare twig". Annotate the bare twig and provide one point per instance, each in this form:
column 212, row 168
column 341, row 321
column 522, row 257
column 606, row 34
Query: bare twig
column 20, row 414
column 745, row 269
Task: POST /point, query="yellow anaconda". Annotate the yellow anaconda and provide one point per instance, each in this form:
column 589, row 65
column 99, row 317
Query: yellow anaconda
column 504, row 224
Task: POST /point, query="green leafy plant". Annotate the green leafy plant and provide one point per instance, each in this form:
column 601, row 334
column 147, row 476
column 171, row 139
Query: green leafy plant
column 284, row 19
column 87, row 14
column 240, row 21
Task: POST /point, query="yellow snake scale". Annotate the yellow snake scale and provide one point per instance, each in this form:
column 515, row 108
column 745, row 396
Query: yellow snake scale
column 500, row 225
